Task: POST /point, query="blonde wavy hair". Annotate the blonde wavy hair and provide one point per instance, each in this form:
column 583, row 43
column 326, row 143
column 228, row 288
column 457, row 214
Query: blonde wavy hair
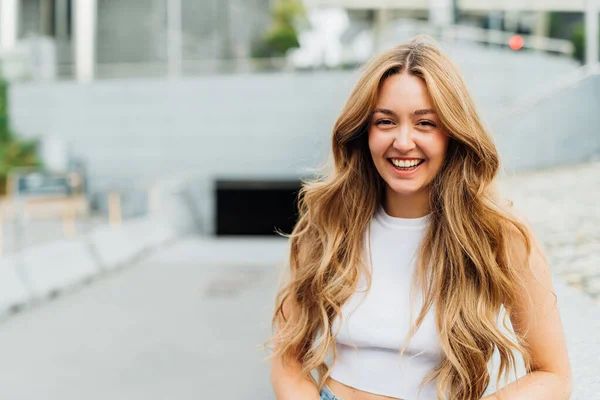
column 466, row 268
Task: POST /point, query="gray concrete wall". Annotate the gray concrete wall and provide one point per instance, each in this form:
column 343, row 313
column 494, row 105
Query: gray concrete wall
column 498, row 77
column 560, row 129
column 127, row 131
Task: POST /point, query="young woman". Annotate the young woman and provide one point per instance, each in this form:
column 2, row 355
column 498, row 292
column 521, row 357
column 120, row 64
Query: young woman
column 404, row 259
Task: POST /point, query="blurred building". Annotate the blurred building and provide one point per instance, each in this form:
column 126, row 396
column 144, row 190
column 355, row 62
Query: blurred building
column 468, row 5
column 234, row 143
column 554, row 26
column 519, row 16
column 125, row 34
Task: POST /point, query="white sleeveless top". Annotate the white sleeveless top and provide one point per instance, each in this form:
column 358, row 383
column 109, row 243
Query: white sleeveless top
column 373, row 331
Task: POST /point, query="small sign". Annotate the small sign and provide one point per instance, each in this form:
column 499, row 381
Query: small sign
column 42, row 184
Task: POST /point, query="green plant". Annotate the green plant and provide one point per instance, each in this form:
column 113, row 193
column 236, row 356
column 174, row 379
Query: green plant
column 282, row 35
column 5, row 133
column 578, row 39
column 13, row 151
column 556, row 21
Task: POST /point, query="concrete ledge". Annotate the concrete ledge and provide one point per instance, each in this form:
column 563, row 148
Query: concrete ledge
column 158, row 232
column 13, row 292
column 114, row 246
column 145, row 233
column 58, row 265
column 45, row 270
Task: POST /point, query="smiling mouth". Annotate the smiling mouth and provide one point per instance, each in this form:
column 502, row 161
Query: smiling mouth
column 405, row 165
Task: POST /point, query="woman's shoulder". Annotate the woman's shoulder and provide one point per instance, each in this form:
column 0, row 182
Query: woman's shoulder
column 519, row 232
column 512, row 214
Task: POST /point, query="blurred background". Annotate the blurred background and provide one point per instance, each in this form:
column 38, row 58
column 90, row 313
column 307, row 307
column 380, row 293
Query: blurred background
column 150, row 149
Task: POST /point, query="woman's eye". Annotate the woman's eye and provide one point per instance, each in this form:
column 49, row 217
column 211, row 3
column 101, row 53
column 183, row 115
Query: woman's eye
column 384, row 122
column 427, row 123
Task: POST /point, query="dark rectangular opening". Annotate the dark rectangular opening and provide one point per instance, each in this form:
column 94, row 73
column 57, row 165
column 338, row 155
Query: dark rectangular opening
column 256, row 207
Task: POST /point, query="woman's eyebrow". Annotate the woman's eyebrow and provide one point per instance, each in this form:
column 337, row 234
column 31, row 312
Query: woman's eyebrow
column 423, row 112
column 389, row 112
column 385, row 111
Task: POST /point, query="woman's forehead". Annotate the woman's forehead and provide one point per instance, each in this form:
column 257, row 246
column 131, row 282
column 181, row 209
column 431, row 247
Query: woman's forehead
column 404, row 91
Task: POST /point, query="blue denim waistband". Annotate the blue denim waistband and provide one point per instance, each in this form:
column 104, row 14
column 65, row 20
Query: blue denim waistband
column 327, row 394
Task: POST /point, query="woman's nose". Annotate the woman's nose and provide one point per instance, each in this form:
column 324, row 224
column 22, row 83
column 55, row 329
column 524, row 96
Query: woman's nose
column 403, row 140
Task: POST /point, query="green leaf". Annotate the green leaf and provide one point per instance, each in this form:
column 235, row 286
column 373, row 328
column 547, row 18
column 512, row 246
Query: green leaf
column 282, row 35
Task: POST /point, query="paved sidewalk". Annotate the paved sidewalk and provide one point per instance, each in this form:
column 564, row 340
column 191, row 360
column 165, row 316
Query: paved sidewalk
column 563, row 205
column 185, row 324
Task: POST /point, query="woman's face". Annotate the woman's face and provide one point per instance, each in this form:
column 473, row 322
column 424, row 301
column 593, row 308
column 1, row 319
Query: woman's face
column 406, row 137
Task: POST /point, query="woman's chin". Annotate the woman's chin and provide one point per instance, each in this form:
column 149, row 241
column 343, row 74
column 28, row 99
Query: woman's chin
column 404, row 190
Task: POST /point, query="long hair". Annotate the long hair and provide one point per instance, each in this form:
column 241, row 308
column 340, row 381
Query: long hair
column 465, row 269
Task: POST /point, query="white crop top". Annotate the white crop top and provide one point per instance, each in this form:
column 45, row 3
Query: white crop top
column 373, row 331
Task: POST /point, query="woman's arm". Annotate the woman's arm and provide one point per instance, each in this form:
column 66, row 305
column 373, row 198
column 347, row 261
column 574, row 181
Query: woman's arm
column 286, row 377
column 288, row 383
column 535, row 385
column 537, row 314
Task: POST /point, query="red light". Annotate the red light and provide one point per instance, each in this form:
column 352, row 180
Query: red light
column 516, row 42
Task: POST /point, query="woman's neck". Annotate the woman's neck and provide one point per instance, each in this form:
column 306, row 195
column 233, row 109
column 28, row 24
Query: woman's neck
column 414, row 205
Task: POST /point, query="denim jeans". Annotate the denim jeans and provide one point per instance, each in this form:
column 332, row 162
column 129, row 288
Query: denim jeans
column 327, row 394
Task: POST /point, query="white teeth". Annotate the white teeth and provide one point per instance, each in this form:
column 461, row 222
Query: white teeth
column 405, row 163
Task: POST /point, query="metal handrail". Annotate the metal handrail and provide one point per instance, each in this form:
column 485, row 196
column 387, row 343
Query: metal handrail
column 487, row 36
